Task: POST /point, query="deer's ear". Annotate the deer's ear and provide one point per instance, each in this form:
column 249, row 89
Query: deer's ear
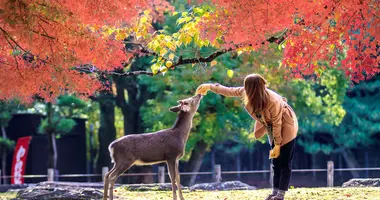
column 175, row 108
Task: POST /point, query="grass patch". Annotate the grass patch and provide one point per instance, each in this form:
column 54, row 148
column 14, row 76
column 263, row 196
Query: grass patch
column 293, row 194
column 7, row 195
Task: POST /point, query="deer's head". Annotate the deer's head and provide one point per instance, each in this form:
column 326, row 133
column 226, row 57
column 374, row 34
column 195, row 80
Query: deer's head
column 189, row 105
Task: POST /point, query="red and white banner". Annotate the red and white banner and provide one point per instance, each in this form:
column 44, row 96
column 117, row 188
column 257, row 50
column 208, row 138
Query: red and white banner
column 19, row 160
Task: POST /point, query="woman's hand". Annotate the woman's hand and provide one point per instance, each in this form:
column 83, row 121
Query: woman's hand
column 203, row 89
column 275, row 152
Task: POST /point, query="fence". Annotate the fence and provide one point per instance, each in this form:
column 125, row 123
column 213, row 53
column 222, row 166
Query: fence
column 216, row 173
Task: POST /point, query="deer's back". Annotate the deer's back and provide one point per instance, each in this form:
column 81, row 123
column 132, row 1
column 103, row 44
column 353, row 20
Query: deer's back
column 150, row 148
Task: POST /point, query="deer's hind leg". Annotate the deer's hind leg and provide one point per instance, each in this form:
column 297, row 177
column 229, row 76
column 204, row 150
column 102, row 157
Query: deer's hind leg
column 118, row 170
column 107, row 182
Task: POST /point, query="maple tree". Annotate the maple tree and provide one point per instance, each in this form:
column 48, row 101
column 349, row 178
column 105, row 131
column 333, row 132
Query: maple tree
column 47, row 45
column 41, row 41
column 315, row 31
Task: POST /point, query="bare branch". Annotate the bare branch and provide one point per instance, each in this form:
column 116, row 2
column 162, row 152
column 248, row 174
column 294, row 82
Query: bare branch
column 7, row 35
column 134, row 73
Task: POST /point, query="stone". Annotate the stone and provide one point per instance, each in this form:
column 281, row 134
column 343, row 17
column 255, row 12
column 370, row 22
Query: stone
column 95, row 185
column 362, row 182
column 150, row 187
column 54, row 192
column 229, row 185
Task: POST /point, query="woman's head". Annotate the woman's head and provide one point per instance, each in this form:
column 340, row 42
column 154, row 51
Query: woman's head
column 255, row 90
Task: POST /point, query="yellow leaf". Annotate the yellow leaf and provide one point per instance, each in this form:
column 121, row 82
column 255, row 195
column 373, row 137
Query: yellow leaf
column 143, row 19
column 171, row 56
column 169, row 64
column 230, row 73
column 180, row 20
column 239, row 52
column 175, row 13
column 146, row 12
column 155, row 68
column 332, row 46
column 163, row 52
column 214, row 62
column 171, row 46
column 192, row 65
column 262, row 66
column 188, row 40
column 163, row 69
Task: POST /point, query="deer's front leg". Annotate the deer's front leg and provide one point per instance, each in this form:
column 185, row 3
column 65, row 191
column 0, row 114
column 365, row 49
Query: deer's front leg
column 178, row 181
column 172, row 174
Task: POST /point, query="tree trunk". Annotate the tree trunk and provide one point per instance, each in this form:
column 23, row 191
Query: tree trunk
column 238, row 166
column 4, row 157
column 351, row 161
column 52, row 147
column 314, row 165
column 195, row 161
column 107, row 130
column 250, row 159
column 137, row 95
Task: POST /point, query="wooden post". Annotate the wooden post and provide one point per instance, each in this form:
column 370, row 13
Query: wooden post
column 271, row 173
column 330, row 174
column 50, row 173
column 104, row 172
column 217, row 173
column 161, row 174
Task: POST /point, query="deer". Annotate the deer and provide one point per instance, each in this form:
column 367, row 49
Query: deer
column 166, row 145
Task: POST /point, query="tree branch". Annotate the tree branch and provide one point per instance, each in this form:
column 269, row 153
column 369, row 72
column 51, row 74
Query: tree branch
column 274, row 39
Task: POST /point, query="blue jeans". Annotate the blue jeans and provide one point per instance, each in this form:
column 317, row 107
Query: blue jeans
column 282, row 166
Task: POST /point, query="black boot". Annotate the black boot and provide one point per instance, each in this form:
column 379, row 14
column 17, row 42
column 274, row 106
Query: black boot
column 279, row 196
column 274, row 192
column 270, row 197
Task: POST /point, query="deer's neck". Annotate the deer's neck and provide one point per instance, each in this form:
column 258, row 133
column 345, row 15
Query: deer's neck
column 183, row 124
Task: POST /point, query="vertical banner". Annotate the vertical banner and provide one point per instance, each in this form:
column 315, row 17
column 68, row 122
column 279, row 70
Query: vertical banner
column 19, row 160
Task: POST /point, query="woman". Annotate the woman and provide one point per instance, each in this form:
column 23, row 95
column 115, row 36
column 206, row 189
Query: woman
column 273, row 116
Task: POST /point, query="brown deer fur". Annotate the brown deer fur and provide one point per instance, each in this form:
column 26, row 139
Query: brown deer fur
column 151, row 148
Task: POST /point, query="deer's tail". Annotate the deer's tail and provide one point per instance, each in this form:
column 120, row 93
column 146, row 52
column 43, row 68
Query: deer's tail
column 110, row 149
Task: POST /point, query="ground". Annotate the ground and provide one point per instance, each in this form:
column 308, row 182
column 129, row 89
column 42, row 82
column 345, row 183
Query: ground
column 293, row 194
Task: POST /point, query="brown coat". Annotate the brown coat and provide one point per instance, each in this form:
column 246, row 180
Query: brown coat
column 277, row 113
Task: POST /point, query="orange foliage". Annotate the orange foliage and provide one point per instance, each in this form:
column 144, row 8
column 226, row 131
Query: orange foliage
column 315, row 31
column 41, row 41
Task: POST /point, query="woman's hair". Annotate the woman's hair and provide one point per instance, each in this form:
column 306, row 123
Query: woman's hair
column 255, row 92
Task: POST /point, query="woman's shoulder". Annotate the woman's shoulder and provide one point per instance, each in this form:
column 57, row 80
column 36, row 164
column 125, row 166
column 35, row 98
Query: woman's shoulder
column 274, row 98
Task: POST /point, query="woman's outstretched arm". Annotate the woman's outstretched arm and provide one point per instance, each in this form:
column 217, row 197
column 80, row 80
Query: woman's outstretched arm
column 220, row 89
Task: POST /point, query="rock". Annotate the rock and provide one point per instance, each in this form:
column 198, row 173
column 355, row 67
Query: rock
column 13, row 188
column 229, row 185
column 361, row 182
column 53, row 192
column 150, row 187
column 97, row 185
